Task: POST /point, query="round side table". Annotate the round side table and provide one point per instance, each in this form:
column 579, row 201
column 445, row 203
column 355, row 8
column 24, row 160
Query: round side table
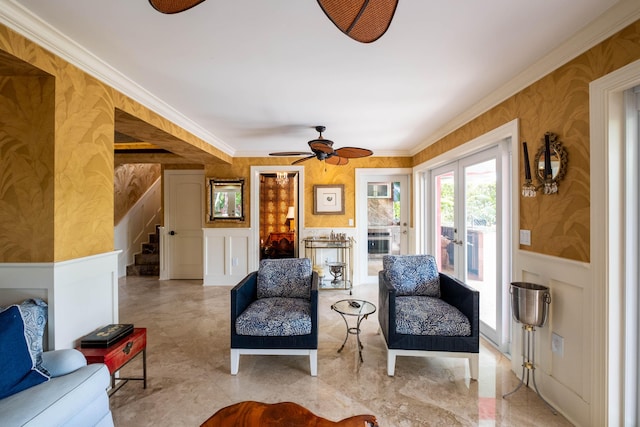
column 358, row 308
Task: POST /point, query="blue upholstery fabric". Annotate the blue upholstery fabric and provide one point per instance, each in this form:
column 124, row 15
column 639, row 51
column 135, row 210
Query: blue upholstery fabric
column 290, row 278
column 18, row 369
column 453, row 292
column 275, row 317
column 419, row 315
column 412, row 274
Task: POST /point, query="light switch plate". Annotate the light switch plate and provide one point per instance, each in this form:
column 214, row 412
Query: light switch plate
column 525, row 237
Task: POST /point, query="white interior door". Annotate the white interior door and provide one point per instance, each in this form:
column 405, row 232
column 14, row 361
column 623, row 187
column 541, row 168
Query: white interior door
column 184, row 213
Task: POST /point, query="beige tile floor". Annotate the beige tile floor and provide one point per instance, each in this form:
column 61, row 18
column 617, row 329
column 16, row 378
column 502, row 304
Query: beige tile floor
column 188, row 369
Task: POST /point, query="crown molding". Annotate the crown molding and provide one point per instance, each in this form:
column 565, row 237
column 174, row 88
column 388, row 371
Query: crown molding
column 23, row 22
column 613, row 20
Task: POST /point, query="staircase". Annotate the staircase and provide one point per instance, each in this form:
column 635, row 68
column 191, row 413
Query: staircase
column 147, row 263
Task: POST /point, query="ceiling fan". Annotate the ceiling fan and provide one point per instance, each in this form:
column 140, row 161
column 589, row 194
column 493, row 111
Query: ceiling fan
column 362, row 20
column 322, row 149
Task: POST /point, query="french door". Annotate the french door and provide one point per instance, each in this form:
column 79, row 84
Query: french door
column 467, row 224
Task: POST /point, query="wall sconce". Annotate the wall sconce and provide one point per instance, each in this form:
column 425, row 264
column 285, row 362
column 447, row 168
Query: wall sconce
column 290, row 217
column 550, row 166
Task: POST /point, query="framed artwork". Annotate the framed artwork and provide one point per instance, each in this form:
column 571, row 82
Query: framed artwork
column 328, row 199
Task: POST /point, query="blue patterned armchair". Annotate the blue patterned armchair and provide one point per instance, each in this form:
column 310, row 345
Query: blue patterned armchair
column 426, row 313
column 274, row 311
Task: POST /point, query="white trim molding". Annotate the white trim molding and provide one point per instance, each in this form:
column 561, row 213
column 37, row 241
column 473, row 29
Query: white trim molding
column 82, row 294
column 607, row 169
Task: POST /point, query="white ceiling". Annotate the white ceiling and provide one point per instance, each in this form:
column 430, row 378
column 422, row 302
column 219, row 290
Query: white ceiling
column 255, row 76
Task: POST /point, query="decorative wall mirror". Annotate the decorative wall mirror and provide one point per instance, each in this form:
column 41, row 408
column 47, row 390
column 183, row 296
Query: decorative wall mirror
column 225, row 199
column 557, row 158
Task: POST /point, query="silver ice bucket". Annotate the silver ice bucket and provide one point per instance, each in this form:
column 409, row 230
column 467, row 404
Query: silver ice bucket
column 530, row 303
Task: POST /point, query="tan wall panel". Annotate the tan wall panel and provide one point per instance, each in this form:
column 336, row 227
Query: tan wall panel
column 26, row 169
column 558, row 103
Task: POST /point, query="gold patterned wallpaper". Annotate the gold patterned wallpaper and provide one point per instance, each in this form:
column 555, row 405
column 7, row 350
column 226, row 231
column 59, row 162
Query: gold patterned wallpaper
column 315, row 172
column 275, row 200
column 559, row 103
column 26, row 168
column 57, row 174
column 131, row 181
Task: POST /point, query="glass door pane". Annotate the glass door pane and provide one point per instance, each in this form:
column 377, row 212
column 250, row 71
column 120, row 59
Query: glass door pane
column 480, row 230
column 445, row 226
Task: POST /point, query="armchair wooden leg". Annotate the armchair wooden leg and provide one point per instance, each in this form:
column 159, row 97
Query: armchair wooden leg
column 313, row 362
column 235, row 361
column 474, row 366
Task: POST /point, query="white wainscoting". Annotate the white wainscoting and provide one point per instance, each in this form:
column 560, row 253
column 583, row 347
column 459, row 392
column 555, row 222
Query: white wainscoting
column 563, row 380
column 226, row 253
column 134, row 228
column 82, row 294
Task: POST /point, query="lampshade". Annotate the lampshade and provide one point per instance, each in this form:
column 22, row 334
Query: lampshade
column 290, row 213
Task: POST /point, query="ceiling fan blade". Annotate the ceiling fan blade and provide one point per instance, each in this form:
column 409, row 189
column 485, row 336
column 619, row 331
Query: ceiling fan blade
column 322, row 145
column 173, row 6
column 353, row 152
column 364, row 21
column 303, row 160
column 291, row 153
column 337, row 160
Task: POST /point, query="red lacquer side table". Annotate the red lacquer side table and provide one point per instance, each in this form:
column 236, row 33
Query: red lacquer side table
column 119, row 354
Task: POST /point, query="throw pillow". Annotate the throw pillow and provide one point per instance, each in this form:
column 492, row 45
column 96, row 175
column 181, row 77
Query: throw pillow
column 18, row 369
column 34, row 316
column 412, row 274
column 287, row 277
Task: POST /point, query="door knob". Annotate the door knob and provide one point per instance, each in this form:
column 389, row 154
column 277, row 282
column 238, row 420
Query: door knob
column 172, row 233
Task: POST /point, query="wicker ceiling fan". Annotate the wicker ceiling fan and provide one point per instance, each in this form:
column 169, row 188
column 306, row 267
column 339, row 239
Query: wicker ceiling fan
column 362, row 20
column 322, row 149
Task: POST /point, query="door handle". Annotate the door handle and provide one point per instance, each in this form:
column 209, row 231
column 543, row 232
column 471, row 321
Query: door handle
column 173, row 233
column 458, row 242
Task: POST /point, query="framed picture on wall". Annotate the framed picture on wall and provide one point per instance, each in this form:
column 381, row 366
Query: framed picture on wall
column 328, row 199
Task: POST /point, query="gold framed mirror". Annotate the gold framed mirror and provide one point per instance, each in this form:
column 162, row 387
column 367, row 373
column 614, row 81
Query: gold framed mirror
column 225, row 199
column 557, row 157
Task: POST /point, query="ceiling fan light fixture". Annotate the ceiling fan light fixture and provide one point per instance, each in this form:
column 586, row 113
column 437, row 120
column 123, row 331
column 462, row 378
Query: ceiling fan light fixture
column 362, row 20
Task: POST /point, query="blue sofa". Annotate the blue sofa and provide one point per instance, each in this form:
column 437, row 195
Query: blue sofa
column 76, row 395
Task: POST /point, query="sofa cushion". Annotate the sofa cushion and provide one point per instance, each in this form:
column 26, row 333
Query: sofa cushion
column 275, row 317
column 290, row 278
column 76, row 399
column 412, row 274
column 18, row 370
column 419, row 315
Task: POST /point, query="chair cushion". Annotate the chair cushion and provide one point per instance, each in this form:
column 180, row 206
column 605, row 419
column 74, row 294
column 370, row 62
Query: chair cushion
column 288, row 278
column 419, row 315
column 275, row 317
column 18, row 369
column 412, row 274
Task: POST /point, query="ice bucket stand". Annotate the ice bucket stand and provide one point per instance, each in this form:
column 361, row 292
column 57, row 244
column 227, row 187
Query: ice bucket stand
column 525, row 309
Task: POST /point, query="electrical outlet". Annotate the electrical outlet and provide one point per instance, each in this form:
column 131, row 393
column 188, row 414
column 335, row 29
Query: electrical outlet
column 525, row 237
column 557, row 344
